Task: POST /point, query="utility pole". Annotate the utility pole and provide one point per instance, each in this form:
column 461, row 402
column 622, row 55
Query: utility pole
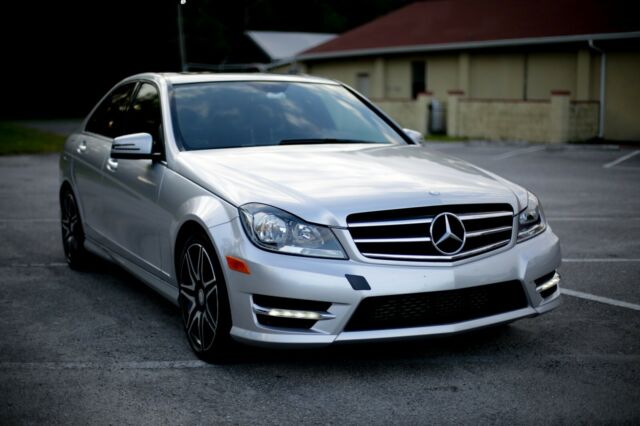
column 183, row 52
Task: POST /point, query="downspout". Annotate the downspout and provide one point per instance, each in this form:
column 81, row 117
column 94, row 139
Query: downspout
column 603, row 79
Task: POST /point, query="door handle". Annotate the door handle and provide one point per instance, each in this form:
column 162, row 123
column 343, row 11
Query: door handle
column 82, row 147
column 112, row 165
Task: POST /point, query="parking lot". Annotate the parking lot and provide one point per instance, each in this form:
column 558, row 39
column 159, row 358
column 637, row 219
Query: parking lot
column 100, row 347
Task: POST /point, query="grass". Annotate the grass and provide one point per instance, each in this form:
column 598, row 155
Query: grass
column 17, row 139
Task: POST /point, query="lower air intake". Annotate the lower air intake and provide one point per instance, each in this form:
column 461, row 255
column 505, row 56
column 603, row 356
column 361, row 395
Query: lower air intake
column 437, row 308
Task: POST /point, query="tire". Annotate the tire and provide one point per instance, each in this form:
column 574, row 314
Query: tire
column 72, row 232
column 204, row 301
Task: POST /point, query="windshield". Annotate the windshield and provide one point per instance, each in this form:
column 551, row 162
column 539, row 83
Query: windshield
column 237, row 114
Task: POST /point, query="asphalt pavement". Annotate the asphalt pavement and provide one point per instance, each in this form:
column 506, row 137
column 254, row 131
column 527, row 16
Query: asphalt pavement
column 100, row 347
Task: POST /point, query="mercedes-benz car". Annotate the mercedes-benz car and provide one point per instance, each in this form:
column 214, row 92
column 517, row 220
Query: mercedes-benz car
column 290, row 210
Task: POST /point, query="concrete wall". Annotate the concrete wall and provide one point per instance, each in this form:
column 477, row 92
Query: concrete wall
column 398, row 84
column 496, row 76
column 345, row 71
column 550, row 71
column 622, row 106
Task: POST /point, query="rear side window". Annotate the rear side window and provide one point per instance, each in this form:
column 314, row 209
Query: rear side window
column 144, row 116
column 109, row 118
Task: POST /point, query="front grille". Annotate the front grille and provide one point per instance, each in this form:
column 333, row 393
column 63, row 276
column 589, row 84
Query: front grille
column 437, row 308
column 404, row 234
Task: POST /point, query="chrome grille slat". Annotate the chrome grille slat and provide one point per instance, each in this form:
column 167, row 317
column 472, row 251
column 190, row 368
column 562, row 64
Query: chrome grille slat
column 425, row 220
column 405, row 234
column 488, row 231
column 476, row 216
column 392, row 240
column 421, row 257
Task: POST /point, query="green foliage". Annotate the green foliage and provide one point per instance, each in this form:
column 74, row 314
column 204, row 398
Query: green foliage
column 17, row 139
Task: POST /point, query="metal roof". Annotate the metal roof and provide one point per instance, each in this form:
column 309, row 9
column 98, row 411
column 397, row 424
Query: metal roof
column 279, row 45
column 459, row 24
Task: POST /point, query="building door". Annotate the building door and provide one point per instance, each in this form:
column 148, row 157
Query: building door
column 418, row 78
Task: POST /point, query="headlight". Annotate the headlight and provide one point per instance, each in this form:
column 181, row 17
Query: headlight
column 531, row 220
column 276, row 230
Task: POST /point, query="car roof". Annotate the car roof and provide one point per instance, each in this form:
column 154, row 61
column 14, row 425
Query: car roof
column 188, row 78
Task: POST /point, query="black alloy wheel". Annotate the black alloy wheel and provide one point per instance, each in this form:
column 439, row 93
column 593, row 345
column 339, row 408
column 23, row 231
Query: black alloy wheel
column 72, row 232
column 203, row 301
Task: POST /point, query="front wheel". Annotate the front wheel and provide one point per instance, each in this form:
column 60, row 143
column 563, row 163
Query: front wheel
column 203, row 300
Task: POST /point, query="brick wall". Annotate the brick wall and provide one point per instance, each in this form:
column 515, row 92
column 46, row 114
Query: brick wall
column 499, row 119
column 583, row 120
column 411, row 114
column 557, row 120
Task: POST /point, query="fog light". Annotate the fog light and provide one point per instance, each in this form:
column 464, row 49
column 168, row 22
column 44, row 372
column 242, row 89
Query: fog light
column 292, row 313
column 286, row 313
column 553, row 282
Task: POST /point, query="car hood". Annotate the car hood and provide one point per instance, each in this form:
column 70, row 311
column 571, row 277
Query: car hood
column 325, row 183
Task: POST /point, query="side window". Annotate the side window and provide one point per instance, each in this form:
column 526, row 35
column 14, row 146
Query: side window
column 145, row 116
column 108, row 118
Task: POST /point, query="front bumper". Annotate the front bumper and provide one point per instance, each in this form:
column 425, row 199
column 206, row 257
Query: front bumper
column 324, row 280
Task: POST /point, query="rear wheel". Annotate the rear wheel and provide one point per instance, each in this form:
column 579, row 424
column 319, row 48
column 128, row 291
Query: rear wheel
column 203, row 300
column 72, row 232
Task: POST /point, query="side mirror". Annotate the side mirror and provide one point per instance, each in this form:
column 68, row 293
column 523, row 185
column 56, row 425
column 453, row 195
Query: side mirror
column 137, row 146
column 414, row 135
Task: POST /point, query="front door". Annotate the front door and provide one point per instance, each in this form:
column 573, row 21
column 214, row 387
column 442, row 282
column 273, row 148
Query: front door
column 135, row 222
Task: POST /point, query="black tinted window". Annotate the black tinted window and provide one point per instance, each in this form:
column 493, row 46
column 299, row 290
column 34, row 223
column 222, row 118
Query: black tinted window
column 144, row 115
column 235, row 114
column 108, row 118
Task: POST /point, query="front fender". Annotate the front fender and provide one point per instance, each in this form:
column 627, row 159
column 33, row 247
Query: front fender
column 188, row 202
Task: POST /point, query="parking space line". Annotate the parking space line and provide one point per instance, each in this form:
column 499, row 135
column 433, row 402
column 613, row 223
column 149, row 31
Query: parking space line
column 125, row 365
column 520, row 151
column 27, row 220
column 36, row 265
column 621, row 159
column 600, row 259
column 600, row 299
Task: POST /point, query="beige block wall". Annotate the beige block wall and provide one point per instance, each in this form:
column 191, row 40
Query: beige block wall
column 622, row 106
column 498, row 120
column 411, row 114
column 398, row 84
column 583, row 120
column 442, row 75
column 343, row 70
column 551, row 71
column 496, row 76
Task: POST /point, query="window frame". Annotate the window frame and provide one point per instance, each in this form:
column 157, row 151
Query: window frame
column 136, row 90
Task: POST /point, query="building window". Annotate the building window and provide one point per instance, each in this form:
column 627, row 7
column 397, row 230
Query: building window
column 362, row 83
column 418, row 78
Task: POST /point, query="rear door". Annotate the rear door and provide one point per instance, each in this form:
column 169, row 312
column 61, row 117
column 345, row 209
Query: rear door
column 136, row 225
column 91, row 151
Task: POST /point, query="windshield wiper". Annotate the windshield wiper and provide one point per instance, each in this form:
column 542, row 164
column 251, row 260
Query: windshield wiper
column 320, row 141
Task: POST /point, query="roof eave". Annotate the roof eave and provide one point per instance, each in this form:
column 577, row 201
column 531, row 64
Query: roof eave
column 468, row 45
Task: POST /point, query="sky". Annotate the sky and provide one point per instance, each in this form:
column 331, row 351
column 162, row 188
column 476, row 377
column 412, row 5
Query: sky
column 60, row 57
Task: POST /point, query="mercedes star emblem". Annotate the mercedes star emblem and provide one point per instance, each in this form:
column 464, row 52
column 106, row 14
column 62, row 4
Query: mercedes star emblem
column 447, row 233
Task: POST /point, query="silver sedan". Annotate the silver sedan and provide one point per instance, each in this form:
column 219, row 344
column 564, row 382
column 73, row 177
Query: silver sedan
column 285, row 210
